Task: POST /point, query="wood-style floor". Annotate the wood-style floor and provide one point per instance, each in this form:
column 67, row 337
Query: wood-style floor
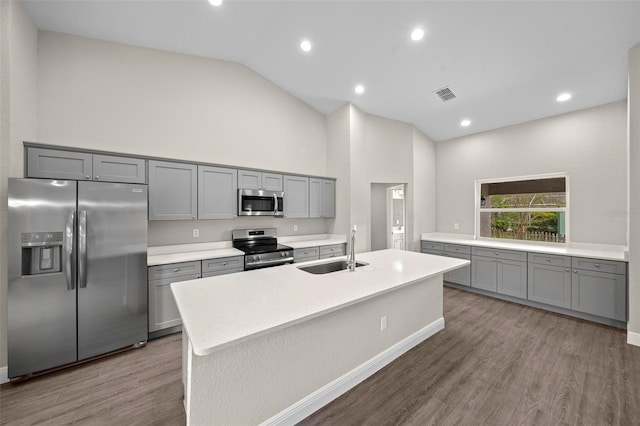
column 495, row 363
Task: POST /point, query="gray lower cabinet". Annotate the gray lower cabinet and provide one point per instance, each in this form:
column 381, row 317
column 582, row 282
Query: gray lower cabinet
column 173, row 191
column 549, row 278
column 599, row 293
column 163, row 312
column 61, row 164
column 217, row 193
column 484, row 273
column 502, row 271
column 511, row 278
column 296, row 197
column 461, row 276
column 335, row 250
column 306, row 254
column 222, row 266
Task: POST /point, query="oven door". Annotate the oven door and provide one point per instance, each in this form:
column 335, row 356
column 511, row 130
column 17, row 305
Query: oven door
column 252, row 202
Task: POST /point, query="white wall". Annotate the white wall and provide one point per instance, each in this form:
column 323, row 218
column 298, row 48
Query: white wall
column 101, row 95
column 424, row 196
column 378, row 216
column 633, row 325
column 18, row 97
column 338, row 161
column 590, row 145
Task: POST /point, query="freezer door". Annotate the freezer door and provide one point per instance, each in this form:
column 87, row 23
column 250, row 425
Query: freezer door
column 41, row 292
column 112, row 267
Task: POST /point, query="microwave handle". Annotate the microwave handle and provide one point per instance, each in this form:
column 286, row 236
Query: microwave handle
column 275, row 208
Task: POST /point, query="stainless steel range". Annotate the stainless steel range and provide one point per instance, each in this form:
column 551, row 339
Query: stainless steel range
column 261, row 248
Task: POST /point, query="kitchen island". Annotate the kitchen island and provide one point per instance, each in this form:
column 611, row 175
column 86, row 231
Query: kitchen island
column 273, row 345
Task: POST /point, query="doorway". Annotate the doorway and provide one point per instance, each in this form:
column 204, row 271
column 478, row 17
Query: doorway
column 388, row 216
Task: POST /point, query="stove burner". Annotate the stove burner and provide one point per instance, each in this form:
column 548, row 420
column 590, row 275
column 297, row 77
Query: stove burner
column 261, row 248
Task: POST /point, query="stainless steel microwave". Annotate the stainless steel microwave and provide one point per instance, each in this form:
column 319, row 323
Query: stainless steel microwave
column 258, row 202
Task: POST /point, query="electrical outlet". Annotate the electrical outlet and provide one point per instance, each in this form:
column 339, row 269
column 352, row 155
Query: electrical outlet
column 196, row 232
column 295, row 228
column 456, row 226
column 383, row 323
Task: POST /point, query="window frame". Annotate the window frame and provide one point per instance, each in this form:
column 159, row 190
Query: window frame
column 565, row 210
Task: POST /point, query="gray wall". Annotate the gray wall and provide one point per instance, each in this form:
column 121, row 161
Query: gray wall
column 590, row 145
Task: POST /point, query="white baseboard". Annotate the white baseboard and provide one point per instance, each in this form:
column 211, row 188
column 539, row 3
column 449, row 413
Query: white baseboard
column 4, row 375
column 311, row 403
column 633, row 338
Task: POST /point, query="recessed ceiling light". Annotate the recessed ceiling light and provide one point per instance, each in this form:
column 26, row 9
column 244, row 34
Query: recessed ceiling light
column 465, row 123
column 359, row 89
column 305, row 45
column 215, row 2
column 417, row 34
column 563, row 97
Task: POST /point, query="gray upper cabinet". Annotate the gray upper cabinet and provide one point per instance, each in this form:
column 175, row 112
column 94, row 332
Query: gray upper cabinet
column 315, row 197
column 173, row 191
column 217, row 193
column 60, row 164
column 328, row 198
column 296, row 196
column 252, row 179
column 110, row 168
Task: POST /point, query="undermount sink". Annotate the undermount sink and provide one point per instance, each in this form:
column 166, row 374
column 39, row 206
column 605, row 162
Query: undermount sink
column 326, row 268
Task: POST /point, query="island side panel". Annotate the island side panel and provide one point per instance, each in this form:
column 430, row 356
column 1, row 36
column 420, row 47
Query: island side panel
column 250, row 382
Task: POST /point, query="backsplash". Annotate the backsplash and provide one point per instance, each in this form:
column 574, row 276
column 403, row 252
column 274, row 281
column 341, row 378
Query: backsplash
column 168, row 232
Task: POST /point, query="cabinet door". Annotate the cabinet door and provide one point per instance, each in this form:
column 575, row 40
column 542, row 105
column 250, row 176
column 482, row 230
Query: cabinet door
column 249, row 179
column 483, row 273
column 315, row 197
column 296, row 196
column 328, row 198
column 599, row 293
column 56, row 164
column 173, row 191
column 272, row 182
column 163, row 312
column 512, row 278
column 460, row 276
column 549, row 284
column 110, row 168
column 217, row 193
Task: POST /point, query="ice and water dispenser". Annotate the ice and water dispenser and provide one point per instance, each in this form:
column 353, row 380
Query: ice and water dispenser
column 41, row 252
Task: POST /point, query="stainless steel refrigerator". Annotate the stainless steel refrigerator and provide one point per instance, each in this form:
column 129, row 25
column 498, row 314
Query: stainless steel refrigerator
column 77, row 256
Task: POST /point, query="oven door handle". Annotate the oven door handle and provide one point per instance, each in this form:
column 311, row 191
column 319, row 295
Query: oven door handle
column 281, row 260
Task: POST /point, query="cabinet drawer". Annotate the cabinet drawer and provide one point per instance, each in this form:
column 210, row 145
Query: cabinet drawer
column 337, row 250
column 173, row 270
column 499, row 254
column 430, row 245
column 599, row 265
column 306, row 252
column 456, row 248
column 305, row 259
column 222, row 263
column 549, row 259
column 436, row 252
column 222, row 272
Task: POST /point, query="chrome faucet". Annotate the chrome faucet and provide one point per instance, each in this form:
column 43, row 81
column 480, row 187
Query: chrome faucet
column 351, row 260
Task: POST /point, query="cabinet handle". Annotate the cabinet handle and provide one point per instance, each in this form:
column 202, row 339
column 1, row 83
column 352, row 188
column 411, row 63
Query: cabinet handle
column 566, row 270
column 97, row 177
column 87, row 177
column 176, row 270
column 197, row 276
column 597, row 265
column 224, row 264
column 194, row 218
column 548, row 260
column 575, row 272
column 496, row 253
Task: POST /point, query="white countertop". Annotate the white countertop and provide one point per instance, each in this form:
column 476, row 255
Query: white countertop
column 221, row 311
column 162, row 255
column 597, row 251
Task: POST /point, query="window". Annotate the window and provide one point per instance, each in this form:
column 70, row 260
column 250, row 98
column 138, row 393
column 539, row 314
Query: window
column 525, row 209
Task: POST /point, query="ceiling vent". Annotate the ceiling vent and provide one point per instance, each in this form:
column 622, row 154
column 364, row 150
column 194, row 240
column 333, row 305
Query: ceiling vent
column 445, row 94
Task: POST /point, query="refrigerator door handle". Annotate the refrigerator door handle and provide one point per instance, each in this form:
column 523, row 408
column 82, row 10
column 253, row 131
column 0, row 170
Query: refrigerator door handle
column 82, row 249
column 69, row 250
